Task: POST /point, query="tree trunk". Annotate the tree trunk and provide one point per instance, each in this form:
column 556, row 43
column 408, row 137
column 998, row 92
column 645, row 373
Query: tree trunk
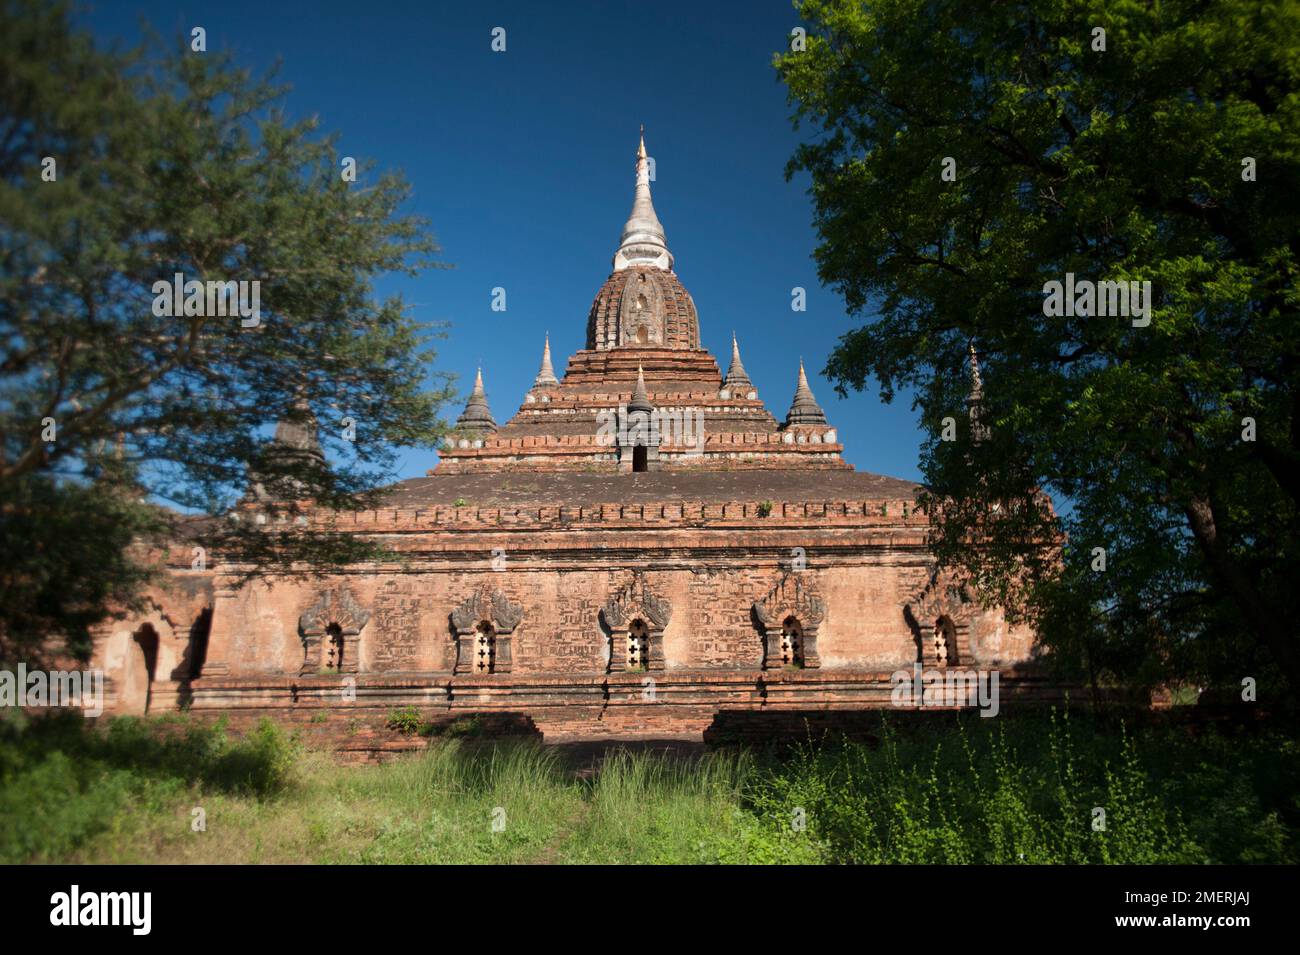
column 1272, row 626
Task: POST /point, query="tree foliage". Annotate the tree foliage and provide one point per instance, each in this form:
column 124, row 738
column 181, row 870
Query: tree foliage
column 1122, row 163
column 171, row 162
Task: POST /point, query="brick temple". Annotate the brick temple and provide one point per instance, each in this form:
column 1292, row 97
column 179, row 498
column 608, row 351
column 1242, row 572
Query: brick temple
column 641, row 547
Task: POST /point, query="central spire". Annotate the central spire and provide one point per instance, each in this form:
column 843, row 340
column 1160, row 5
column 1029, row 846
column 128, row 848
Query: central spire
column 643, row 241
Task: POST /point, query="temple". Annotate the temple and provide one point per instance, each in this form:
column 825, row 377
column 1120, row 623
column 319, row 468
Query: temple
column 641, row 547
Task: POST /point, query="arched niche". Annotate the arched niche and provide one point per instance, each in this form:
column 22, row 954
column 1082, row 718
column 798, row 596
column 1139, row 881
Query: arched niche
column 330, row 630
column 483, row 626
column 635, row 617
column 140, row 670
column 939, row 615
column 789, row 617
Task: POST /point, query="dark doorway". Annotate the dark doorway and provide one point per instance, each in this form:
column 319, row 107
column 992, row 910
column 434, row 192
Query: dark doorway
column 640, row 458
column 198, row 648
column 146, row 638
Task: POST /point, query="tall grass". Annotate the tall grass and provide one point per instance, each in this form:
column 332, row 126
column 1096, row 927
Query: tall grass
column 661, row 807
column 458, row 801
column 1034, row 790
column 1030, row 789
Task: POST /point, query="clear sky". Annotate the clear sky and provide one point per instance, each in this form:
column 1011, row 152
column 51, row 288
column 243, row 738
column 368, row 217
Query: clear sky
column 523, row 162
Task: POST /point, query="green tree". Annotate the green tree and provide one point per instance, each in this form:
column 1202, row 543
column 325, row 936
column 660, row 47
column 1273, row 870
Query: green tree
column 118, row 171
column 1129, row 162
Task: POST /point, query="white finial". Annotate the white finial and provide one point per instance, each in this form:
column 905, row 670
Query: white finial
column 546, row 376
column 643, row 241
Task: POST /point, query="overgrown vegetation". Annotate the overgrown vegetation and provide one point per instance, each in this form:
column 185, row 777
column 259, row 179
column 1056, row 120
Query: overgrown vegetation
column 1017, row 789
column 62, row 784
column 1035, row 791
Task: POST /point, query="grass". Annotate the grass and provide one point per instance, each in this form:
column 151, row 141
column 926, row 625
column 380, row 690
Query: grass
column 1012, row 790
column 660, row 808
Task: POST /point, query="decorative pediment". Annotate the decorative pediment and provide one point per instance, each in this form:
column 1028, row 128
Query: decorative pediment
column 637, row 599
column 614, row 613
column 632, row 646
column 939, row 614
column 942, row 595
column 335, row 605
column 493, row 606
column 794, row 595
column 505, row 614
column 490, row 651
column 468, row 613
column 337, row 653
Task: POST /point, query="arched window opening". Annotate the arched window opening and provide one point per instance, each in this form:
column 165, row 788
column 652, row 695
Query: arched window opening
column 638, row 645
column 945, row 642
column 642, row 335
column 332, row 648
column 791, row 643
column 485, row 648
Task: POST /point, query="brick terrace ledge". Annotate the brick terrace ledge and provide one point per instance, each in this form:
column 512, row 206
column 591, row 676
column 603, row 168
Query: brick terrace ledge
column 755, row 514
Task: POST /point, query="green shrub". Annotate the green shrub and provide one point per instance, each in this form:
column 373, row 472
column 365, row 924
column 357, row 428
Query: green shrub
column 63, row 781
column 1013, row 790
column 406, row 720
column 464, row 727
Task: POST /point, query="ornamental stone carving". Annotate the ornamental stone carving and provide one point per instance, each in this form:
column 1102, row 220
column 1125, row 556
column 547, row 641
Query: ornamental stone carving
column 939, row 615
column 505, row 614
column 636, row 618
column 330, row 629
column 790, row 615
column 482, row 625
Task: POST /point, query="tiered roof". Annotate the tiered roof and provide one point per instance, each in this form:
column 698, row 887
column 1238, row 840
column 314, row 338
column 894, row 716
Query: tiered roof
column 643, row 355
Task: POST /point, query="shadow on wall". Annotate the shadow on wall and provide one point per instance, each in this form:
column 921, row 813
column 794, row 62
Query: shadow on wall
column 140, row 681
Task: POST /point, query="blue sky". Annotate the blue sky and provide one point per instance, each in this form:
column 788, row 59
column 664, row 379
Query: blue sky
column 523, row 163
